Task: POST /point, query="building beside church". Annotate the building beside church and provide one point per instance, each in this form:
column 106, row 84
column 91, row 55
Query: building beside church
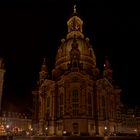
column 78, row 99
column 15, row 122
column 11, row 121
column 130, row 120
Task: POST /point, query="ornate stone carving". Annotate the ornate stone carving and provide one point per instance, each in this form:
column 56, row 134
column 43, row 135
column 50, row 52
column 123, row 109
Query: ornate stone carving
column 75, row 54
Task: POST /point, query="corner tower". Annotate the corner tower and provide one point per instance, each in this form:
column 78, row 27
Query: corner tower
column 43, row 74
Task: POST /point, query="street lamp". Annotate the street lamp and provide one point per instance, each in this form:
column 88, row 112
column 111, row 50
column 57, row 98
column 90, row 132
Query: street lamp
column 7, row 126
column 105, row 130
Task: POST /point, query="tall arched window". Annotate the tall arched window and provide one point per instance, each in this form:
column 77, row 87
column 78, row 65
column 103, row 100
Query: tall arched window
column 103, row 107
column 75, row 102
column 75, row 97
column 89, row 98
column 48, row 107
column 61, row 99
column 89, row 104
column 48, row 101
column 103, row 101
column 60, row 105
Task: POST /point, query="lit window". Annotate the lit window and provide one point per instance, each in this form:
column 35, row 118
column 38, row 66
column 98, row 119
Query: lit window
column 75, row 96
column 89, row 98
column 48, row 101
column 90, row 111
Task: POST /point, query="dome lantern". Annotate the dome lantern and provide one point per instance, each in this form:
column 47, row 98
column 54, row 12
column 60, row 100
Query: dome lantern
column 75, row 25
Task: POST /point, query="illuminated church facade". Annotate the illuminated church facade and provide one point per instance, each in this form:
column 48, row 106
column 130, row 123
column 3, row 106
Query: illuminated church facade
column 77, row 99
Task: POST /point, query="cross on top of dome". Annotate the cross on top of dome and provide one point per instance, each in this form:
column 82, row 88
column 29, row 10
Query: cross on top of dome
column 74, row 9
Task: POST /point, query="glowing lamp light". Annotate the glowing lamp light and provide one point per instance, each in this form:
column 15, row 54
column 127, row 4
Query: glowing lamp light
column 27, row 133
column 7, row 126
column 64, row 132
column 105, row 128
column 46, row 128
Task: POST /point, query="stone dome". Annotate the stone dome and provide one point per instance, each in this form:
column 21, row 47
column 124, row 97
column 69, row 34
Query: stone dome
column 76, row 38
column 87, row 56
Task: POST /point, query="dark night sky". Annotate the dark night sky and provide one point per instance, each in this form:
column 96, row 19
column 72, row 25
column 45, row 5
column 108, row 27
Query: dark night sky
column 31, row 30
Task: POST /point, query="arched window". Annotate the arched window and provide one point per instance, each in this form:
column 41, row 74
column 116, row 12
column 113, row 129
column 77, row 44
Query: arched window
column 75, row 100
column 103, row 101
column 75, row 97
column 48, row 101
column 89, row 98
column 60, row 105
column 103, row 107
column 89, row 104
column 61, row 99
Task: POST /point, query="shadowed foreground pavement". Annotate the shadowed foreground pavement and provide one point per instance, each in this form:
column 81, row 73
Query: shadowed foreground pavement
column 77, row 138
column 71, row 138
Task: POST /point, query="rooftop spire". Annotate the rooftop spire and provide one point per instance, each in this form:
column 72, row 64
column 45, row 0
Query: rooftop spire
column 44, row 67
column 44, row 61
column 43, row 74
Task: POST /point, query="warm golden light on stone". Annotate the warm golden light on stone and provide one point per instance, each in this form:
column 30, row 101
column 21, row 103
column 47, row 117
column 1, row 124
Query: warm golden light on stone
column 76, row 100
